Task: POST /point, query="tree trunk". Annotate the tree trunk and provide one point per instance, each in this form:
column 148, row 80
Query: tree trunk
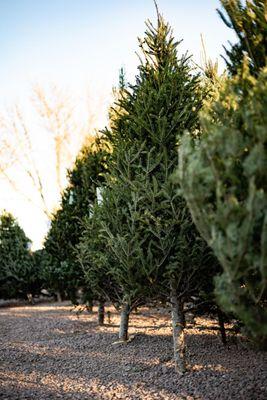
column 101, row 312
column 30, row 298
column 59, row 297
column 221, row 326
column 89, row 306
column 124, row 321
column 178, row 323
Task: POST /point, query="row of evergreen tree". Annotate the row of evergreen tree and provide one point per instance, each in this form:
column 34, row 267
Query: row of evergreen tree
column 169, row 204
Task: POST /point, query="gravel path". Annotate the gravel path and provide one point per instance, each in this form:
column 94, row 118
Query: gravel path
column 47, row 352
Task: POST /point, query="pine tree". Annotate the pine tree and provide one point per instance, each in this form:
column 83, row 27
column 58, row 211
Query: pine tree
column 64, row 272
column 147, row 225
column 18, row 276
column 96, row 261
column 223, row 178
column 249, row 22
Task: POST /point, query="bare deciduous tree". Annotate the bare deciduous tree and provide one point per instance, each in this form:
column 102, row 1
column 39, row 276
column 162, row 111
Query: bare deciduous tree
column 56, row 115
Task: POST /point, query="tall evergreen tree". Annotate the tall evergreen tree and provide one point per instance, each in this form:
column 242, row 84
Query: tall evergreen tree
column 64, row 272
column 18, row 275
column 249, row 22
column 147, row 226
column 223, row 178
column 96, row 260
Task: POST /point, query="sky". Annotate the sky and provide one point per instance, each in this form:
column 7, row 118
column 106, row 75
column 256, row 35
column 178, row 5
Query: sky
column 80, row 45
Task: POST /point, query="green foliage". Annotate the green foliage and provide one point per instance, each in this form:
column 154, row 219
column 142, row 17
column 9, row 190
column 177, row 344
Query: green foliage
column 63, row 272
column 146, row 225
column 249, row 21
column 18, row 275
column 223, row 174
column 223, row 178
column 95, row 259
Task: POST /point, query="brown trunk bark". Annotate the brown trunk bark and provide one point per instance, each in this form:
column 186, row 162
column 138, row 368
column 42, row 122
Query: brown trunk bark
column 124, row 321
column 178, row 323
column 30, row 298
column 59, row 296
column 89, row 306
column 101, row 312
column 221, row 326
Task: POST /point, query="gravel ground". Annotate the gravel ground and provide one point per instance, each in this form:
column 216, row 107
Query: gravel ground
column 47, row 352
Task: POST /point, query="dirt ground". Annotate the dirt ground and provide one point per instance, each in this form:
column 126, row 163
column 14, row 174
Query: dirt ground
column 47, row 352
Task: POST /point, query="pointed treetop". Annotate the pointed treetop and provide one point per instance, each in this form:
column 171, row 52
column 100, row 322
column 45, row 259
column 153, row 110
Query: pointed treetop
column 157, row 10
column 158, row 45
column 122, row 81
column 248, row 20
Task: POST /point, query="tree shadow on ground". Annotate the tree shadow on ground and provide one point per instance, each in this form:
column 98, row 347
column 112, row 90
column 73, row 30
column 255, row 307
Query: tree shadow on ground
column 75, row 359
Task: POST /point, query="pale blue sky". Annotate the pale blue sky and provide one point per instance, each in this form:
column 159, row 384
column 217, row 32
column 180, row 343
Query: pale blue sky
column 78, row 44
column 78, row 41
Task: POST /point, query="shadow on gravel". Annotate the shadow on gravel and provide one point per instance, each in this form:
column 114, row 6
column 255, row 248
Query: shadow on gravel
column 43, row 357
column 31, row 390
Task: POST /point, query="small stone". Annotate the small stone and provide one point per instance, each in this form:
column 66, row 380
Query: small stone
column 164, row 369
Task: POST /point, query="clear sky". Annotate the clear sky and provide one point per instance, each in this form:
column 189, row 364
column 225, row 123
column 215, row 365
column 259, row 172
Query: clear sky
column 80, row 43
